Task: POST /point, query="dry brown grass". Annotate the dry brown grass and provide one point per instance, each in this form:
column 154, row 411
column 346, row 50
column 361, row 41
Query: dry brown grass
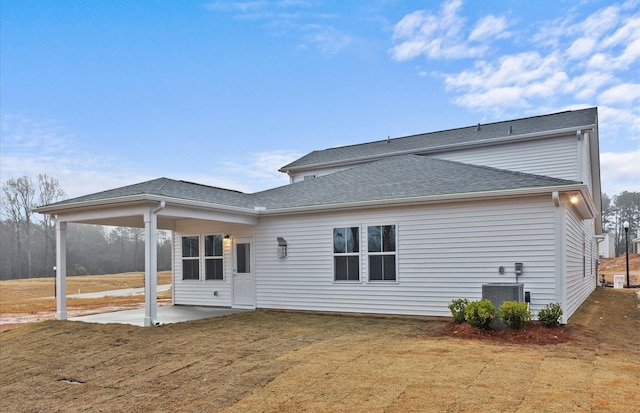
column 267, row 361
column 35, row 296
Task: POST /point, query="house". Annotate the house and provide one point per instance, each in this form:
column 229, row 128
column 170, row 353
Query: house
column 396, row 226
column 607, row 246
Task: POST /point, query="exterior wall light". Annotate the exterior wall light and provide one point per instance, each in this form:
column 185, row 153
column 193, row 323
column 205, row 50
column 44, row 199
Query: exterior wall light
column 574, row 199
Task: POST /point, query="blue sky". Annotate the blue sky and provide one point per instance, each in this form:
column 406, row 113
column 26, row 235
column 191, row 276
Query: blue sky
column 110, row 93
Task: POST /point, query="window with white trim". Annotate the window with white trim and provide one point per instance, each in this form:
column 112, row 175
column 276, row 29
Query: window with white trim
column 346, row 254
column 213, row 263
column 191, row 257
column 381, row 247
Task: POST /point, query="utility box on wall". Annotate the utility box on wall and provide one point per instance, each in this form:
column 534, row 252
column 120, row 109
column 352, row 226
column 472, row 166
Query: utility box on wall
column 282, row 247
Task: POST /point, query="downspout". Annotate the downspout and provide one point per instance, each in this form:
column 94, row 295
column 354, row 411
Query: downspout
column 151, row 264
column 599, row 239
column 560, row 250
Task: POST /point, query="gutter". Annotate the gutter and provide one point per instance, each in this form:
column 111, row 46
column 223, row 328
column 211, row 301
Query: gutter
column 261, row 210
column 431, row 199
column 97, row 203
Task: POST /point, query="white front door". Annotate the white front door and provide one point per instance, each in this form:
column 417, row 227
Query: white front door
column 244, row 285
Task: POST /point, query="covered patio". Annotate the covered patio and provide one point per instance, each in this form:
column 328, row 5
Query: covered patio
column 151, row 205
column 164, row 315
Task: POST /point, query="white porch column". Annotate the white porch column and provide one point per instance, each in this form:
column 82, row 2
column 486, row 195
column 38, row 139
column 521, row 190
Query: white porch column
column 61, row 270
column 151, row 265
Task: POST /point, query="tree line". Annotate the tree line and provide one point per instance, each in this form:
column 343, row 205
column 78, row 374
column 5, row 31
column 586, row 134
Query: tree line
column 28, row 239
column 622, row 208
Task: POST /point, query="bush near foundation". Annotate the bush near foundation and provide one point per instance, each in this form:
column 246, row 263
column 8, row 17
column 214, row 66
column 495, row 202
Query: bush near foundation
column 514, row 314
column 457, row 308
column 550, row 315
column 480, row 314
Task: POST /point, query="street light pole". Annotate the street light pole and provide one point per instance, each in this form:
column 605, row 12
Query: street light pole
column 626, row 248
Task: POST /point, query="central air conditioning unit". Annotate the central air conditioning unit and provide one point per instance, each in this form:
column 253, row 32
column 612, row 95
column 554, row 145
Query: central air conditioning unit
column 498, row 293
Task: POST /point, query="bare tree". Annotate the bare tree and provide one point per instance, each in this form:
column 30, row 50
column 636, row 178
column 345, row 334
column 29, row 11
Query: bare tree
column 49, row 192
column 17, row 202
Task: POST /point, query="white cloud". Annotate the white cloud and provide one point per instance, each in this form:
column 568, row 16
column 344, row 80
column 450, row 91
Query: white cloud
column 30, row 148
column 261, row 169
column 575, row 61
column 442, row 35
column 581, row 48
column 488, row 27
column 299, row 18
column 623, row 94
column 329, row 40
column 511, row 81
column 620, row 171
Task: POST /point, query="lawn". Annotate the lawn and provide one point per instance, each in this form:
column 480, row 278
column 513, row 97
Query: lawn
column 273, row 361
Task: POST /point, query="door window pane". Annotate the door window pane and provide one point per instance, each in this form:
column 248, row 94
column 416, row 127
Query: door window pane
column 243, row 254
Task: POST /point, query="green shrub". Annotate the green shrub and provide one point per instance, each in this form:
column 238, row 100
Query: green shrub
column 514, row 314
column 458, row 308
column 480, row 314
column 550, row 315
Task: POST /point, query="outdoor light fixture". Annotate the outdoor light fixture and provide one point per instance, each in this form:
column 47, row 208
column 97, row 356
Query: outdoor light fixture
column 574, row 199
column 227, row 237
column 626, row 247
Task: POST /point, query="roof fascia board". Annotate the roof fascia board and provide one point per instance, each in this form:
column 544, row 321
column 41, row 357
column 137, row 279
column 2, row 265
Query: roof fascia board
column 132, row 199
column 432, row 199
column 444, row 148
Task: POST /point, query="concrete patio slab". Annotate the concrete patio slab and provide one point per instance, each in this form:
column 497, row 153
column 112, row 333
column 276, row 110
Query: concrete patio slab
column 165, row 315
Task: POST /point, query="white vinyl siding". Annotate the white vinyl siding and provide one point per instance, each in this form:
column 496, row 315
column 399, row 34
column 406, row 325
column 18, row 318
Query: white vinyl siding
column 444, row 252
column 554, row 157
column 550, row 157
column 202, row 292
column 579, row 283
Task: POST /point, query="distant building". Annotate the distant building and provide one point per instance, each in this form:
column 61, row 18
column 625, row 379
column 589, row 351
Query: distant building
column 607, row 248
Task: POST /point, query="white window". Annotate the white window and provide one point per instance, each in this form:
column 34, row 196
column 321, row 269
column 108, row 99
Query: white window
column 346, row 254
column 195, row 259
column 381, row 247
column 191, row 257
column 213, row 264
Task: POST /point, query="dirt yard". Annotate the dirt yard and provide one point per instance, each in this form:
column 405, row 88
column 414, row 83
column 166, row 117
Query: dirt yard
column 611, row 266
column 268, row 361
column 30, row 300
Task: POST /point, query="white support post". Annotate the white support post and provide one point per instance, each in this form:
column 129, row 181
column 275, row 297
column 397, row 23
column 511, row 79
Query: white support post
column 150, row 268
column 151, row 265
column 61, row 270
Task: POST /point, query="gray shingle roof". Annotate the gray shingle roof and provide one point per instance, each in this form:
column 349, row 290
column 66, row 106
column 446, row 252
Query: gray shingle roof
column 430, row 141
column 165, row 187
column 396, row 177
